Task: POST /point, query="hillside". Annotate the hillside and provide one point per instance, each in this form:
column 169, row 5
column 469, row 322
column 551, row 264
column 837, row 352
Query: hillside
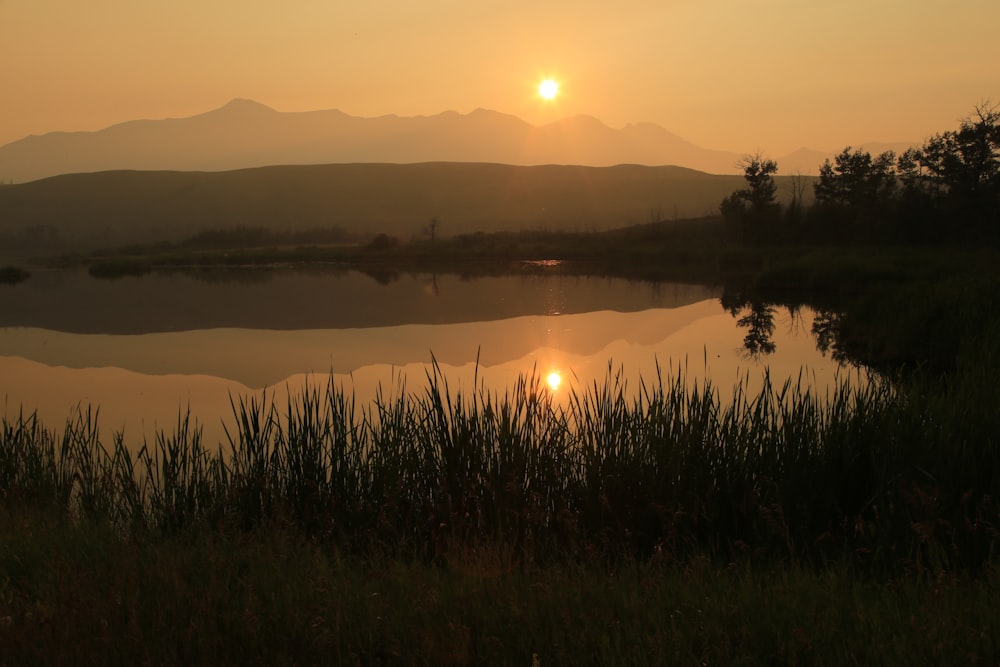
column 85, row 211
column 245, row 134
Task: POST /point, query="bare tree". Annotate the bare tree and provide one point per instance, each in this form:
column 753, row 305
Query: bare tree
column 798, row 183
column 432, row 229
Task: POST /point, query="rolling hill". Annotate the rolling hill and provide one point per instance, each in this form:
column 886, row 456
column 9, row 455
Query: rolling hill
column 107, row 209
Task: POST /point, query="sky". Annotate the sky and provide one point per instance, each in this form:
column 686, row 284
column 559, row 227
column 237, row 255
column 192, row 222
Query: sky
column 766, row 75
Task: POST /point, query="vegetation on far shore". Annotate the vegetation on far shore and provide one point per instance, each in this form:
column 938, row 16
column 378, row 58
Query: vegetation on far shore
column 944, row 192
column 12, row 275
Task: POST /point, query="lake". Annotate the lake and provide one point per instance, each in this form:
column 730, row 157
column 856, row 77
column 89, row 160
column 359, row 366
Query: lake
column 144, row 349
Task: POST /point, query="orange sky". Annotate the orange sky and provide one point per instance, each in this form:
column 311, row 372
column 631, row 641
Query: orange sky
column 772, row 75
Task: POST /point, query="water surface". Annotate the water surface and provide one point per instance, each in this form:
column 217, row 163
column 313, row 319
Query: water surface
column 145, row 349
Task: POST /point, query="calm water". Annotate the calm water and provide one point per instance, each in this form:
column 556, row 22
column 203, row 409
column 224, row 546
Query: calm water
column 144, row 349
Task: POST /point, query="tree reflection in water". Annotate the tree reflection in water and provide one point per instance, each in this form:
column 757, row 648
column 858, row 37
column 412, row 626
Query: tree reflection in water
column 826, row 329
column 757, row 317
column 759, row 323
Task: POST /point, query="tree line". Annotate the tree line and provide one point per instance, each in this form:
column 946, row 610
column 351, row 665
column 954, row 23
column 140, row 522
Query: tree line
column 946, row 190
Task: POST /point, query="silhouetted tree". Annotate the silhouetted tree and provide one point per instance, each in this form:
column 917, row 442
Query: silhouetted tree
column 795, row 213
column 734, row 211
column 382, row 242
column 754, row 207
column 432, row 229
column 759, row 175
column 857, row 189
column 968, row 160
column 959, row 170
column 910, row 171
column 917, row 217
column 856, row 180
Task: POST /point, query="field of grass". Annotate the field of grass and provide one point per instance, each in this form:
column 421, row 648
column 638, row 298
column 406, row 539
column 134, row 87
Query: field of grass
column 77, row 595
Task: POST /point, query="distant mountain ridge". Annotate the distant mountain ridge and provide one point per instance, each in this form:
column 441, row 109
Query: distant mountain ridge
column 244, row 134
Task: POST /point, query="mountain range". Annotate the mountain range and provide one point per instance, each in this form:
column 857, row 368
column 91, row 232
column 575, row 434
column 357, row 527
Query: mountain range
column 244, row 134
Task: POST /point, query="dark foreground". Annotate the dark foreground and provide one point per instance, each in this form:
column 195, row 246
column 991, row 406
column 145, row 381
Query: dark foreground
column 269, row 596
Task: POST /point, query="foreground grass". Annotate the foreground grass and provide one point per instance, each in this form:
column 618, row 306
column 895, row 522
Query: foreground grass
column 86, row 595
column 886, row 479
column 674, row 528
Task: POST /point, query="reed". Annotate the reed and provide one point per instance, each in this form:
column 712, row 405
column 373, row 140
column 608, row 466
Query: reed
column 881, row 476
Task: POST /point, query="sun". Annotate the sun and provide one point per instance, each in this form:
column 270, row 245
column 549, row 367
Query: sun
column 548, row 89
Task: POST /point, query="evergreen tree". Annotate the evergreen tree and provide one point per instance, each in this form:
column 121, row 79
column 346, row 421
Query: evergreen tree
column 753, row 208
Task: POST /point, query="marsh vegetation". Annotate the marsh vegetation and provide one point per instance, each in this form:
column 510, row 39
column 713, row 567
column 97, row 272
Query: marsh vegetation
column 12, row 275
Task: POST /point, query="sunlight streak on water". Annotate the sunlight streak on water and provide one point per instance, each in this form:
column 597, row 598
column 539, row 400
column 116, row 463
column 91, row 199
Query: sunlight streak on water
column 554, row 379
column 142, row 382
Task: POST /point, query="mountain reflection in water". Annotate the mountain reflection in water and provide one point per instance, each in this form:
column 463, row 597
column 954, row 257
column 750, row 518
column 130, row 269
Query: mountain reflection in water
column 142, row 381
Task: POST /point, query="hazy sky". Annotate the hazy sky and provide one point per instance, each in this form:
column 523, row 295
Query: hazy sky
column 738, row 75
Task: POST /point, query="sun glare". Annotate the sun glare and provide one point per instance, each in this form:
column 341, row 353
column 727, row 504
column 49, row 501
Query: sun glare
column 548, row 89
column 554, row 380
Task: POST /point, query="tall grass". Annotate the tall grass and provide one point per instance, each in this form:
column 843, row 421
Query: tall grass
column 877, row 476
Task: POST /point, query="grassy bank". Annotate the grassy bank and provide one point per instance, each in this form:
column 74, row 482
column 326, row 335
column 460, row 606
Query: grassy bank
column 697, row 250
column 435, row 529
column 649, row 249
column 884, row 478
column 77, row 595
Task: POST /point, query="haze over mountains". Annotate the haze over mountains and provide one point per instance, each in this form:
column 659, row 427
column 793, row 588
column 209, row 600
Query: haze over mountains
column 245, row 134
column 246, row 165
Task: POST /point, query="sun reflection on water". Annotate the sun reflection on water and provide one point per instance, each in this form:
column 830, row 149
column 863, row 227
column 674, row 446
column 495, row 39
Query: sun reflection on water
column 554, row 379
